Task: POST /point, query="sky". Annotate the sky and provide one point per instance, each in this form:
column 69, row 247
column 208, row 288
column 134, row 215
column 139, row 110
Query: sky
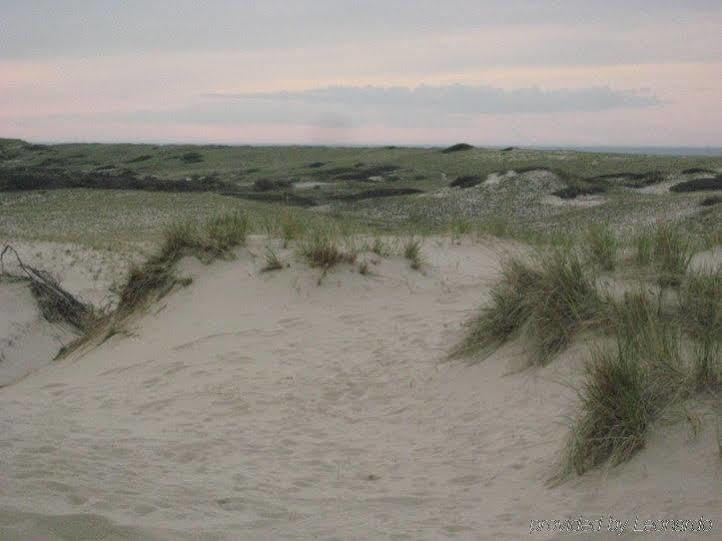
column 494, row 72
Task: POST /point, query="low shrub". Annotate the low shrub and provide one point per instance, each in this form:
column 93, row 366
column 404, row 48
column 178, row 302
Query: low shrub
column 467, row 181
column 698, row 185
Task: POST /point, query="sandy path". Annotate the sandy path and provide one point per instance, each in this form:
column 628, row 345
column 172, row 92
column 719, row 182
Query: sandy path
column 263, row 406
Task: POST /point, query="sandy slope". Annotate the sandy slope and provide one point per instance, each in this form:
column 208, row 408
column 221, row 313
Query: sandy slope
column 27, row 341
column 264, row 406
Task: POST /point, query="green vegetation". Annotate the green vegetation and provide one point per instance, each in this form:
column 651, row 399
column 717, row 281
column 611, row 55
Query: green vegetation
column 322, row 248
column 671, row 253
column 552, row 298
column 412, row 252
column 386, row 187
column 602, row 246
column 701, row 304
column 458, row 147
column 699, row 184
column 273, row 262
column 156, row 277
column 667, row 348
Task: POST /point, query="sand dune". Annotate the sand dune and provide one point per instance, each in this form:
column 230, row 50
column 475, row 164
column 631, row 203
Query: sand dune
column 266, row 406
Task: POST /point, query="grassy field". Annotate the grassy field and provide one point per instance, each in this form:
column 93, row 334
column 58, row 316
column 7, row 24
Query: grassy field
column 53, row 191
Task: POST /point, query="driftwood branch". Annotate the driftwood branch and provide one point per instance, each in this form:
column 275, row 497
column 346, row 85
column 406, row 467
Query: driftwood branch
column 56, row 304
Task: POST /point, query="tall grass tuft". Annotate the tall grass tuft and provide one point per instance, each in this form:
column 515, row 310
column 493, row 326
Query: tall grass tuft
column 273, row 262
column 602, row 246
column 412, row 252
column 380, row 248
column 672, row 253
column 225, row 231
column 177, row 238
column 616, row 409
column 701, row 304
column 701, row 315
column 564, row 299
column 321, row 248
column 157, row 276
column 643, row 245
column 552, row 299
column 509, row 309
column 627, row 388
column 292, row 226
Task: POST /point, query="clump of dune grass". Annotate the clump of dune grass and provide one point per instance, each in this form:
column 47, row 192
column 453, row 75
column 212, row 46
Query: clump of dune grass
column 602, row 246
column 225, row 231
column 380, row 248
column 412, row 252
column 157, row 276
column 565, row 298
column 273, row 262
column 508, row 309
column 706, row 371
column 616, row 410
column 701, row 304
column 552, row 298
column 292, row 227
column 625, row 389
column 495, row 226
column 672, row 253
column 629, row 316
column 177, row 238
column 459, row 227
column 322, row 248
column 643, row 248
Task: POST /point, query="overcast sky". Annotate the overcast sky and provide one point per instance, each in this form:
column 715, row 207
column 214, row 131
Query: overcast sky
column 524, row 72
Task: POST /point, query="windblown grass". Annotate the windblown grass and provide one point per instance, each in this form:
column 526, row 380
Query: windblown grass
column 273, row 262
column 627, row 388
column 508, row 309
column 322, row 247
column 564, row 299
column 552, row 299
column 224, row 232
column 412, row 252
column 701, row 304
column 156, row 276
column 672, row 253
column 380, row 247
column 643, row 243
column 602, row 246
column 293, row 227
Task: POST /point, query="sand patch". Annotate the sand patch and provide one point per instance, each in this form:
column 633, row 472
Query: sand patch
column 27, row 341
column 495, row 178
column 579, row 201
column 263, row 406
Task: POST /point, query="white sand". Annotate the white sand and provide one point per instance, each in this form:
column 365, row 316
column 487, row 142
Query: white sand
column 584, row 201
column 264, row 406
column 27, row 341
column 496, row 178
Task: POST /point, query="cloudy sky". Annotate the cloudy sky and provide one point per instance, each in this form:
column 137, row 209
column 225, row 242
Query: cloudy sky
column 504, row 72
